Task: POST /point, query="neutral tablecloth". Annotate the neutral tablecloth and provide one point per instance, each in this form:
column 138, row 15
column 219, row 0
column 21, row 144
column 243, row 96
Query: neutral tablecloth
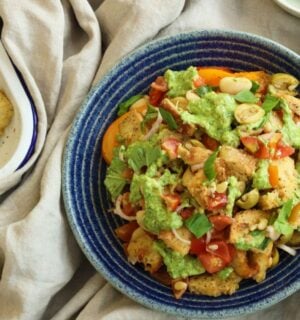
column 62, row 48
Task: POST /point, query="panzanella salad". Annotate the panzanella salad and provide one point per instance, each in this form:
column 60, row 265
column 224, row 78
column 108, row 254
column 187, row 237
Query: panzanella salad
column 204, row 168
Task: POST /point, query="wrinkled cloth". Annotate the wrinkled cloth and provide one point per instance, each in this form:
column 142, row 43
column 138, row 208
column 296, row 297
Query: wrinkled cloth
column 62, row 48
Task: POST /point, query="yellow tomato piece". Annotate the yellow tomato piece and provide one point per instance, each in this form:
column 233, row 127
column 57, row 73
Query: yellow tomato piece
column 212, row 76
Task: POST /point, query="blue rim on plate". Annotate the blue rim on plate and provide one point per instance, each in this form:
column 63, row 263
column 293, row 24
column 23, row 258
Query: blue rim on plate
column 34, row 117
column 87, row 202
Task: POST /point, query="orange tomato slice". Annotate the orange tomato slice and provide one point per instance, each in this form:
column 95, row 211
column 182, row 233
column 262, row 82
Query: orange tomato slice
column 110, row 141
column 213, row 75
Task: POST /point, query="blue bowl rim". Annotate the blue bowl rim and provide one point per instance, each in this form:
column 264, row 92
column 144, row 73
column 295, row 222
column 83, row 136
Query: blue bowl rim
column 253, row 307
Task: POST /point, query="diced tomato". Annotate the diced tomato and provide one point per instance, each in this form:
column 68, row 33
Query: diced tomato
column 209, row 142
column 250, row 143
column 125, row 231
column 127, row 207
column 157, row 91
column 198, row 246
column 127, row 173
column 220, row 249
column 283, row 151
column 219, row 235
column 211, row 262
column 186, row 213
column 199, row 82
column 263, row 151
column 170, row 145
column 217, row 201
column 155, row 96
column 232, row 251
column 172, row 201
column 220, row 222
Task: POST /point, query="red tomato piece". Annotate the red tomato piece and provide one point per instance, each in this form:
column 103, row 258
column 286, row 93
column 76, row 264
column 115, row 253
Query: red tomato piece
column 199, row 82
column 186, row 213
column 210, row 142
column 250, row 143
column 198, row 246
column 220, row 249
column 220, row 222
column 283, row 151
column 211, row 262
column 155, row 96
column 172, row 200
column 217, row 201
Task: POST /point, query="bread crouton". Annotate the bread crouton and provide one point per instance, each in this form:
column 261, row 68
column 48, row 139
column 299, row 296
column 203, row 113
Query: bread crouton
column 270, row 200
column 237, row 163
column 141, row 249
column 263, row 261
column 213, row 285
column 245, row 220
column 130, row 128
column 193, row 182
column 194, row 154
column 241, row 265
column 174, row 243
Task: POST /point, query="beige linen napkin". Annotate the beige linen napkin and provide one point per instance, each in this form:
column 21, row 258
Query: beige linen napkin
column 57, row 47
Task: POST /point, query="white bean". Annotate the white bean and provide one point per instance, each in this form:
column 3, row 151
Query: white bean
column 234, row 85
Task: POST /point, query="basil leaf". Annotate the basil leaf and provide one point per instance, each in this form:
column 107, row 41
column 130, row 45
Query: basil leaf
column 124, row 106
column 168, row 118
column 150, row 115
column 203, row 90
column 281, row 224
column 245, row 96
column 255, row 86
column 209, row 166
column 270, row 103
column 198, row 224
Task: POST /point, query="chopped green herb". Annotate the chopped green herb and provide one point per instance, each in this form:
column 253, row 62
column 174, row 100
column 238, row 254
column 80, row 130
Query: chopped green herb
column 225, row 273
column 168, row 118
column 209, row 166
column 203, row 90
column 150, row 115
column 255, row 86
column 198, row 224
column 245, row 96
column 281, row 224
column 124, row 106
column 270, row 103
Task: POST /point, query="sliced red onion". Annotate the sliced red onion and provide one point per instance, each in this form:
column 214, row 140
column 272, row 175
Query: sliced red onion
column 272, row 234
column 118, row 210
column 180, row 238
column 287, row 249
column 154, row 128
column 197, row 166
column 179, row 208
column 208, row 236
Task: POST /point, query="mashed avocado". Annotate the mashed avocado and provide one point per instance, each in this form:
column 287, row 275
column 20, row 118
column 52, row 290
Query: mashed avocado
column 215, row 113
column 179, row 82
column 261, row 176
column 254, row 240
column 156, row 217
column 179, row 266
column 290, row 131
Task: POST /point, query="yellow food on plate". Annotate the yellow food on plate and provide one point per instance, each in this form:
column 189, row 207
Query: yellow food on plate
column 6, row 112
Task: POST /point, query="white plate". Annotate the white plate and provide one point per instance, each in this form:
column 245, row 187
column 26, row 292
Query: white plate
column 17, row 139
column 291, row 6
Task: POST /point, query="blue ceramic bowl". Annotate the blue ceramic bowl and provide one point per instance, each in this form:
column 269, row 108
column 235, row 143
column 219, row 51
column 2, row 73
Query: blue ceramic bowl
column 87, row 202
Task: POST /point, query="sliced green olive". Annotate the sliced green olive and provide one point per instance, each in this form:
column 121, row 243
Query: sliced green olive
column 284, row 81
column 248, row 200
column 275, row 257
column 246, row 113
column 295, row 239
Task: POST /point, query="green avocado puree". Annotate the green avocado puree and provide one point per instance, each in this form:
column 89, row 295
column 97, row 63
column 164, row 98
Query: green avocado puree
column 233, row 193
column 261, row 176
column 290, row 131
column 179, row 266
column 214, row 112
